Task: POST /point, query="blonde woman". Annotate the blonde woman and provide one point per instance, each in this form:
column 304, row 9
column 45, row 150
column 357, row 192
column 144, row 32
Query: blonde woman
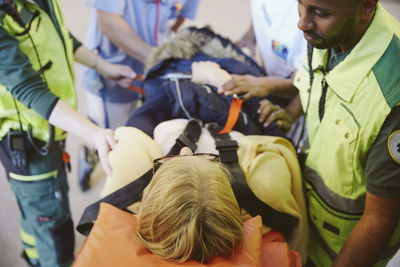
column 189, row 210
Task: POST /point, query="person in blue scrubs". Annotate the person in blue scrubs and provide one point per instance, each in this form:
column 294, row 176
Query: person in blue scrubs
column 124, row 32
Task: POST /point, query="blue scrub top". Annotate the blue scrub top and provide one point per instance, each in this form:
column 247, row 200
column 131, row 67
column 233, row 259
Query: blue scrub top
column 141, row 16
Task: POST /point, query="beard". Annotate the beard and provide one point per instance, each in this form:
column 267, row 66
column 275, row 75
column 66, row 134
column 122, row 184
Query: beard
column 342, row 36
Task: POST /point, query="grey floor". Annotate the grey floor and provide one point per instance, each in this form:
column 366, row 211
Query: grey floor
column 228, row 17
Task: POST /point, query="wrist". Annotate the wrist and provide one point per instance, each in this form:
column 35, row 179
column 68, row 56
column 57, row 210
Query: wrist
column 96, row 62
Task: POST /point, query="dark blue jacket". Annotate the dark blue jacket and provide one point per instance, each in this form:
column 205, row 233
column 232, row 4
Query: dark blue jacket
column 163, row 102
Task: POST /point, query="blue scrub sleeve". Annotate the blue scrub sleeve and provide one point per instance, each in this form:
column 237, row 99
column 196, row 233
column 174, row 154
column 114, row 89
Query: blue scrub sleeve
column 112, row 6
column 189, row 9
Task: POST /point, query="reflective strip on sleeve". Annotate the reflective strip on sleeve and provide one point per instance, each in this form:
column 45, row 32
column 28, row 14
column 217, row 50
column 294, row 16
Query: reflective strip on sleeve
column 31, row 178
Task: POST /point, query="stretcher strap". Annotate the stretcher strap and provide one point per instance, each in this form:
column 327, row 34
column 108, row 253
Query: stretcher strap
column 121, row 199
column 278, row 221
column 137, row 85
column 233, row 116
column 189, row 137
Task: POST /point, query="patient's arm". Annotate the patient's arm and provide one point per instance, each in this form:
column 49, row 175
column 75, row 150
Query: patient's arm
column 210, row 73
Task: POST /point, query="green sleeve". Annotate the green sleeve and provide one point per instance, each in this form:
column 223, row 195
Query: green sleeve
column 76, row 42
column 382, row 171
column 24, row 83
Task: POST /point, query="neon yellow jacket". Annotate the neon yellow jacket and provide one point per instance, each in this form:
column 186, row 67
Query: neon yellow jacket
column 51, row 47
column 359, row 98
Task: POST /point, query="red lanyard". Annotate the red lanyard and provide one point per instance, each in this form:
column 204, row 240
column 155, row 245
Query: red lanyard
column 156, row 25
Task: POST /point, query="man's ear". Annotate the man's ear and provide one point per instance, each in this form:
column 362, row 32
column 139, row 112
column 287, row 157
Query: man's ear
column 367, row 9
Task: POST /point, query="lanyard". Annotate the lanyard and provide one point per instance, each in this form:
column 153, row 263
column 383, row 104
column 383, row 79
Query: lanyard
column 157, row 22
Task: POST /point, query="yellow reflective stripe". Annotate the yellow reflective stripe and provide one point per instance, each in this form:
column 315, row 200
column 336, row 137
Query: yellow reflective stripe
column 27, row 238
column 31, row 178
column 31, row 253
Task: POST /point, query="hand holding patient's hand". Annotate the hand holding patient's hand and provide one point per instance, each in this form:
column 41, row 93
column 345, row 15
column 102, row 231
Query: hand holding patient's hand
column 247, row 86
column 104, row 142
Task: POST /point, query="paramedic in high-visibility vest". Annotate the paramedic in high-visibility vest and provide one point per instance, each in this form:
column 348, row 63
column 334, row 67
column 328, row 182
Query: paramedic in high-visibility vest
column 352, row 113
column 36, row 92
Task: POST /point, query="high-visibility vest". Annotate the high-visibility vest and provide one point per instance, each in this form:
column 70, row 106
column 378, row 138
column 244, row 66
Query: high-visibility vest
column 112, row 243
column 50, row 47
column 358, row 100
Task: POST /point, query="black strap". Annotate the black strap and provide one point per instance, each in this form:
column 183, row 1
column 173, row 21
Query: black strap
column 121, row 199
column 189, row 137
column 277, row 220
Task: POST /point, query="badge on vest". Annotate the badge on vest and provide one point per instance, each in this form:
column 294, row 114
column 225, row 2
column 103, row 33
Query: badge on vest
column 394, row 146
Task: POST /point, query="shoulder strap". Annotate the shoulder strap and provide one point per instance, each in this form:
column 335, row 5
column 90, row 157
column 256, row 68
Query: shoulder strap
column 189, row 137
column 227, row 148
column 121, row 199
column 132, row 192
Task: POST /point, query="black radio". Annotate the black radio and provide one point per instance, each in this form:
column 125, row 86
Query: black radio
column 18, row 148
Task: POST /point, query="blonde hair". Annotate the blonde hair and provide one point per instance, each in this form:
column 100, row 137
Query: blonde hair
column 190, row 212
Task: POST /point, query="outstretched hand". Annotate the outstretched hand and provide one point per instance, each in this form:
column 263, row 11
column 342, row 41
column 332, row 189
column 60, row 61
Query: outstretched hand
column 122, row 74
column 247, row 86
column 269, row 112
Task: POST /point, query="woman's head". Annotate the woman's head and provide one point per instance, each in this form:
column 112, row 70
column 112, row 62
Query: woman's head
column 189, row 211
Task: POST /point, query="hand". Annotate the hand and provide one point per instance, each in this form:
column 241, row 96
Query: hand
column 209, row 72
column 104, row 142
column 248, row 86
column 122, row 74
column 268, row 112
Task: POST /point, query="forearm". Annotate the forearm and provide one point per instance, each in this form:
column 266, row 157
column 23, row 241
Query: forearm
column 71, row 121
column 122, row 35
column 124, row 75
column 250, row 36
column 366, row 243
column 88, row 58
column 372, row 233
column 278, row 86
column 294, row 109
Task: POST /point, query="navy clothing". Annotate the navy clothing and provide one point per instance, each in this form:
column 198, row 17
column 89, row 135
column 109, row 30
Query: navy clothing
column 163, row 102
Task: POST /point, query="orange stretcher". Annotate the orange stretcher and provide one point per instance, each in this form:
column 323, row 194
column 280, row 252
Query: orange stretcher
column 111, row 242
